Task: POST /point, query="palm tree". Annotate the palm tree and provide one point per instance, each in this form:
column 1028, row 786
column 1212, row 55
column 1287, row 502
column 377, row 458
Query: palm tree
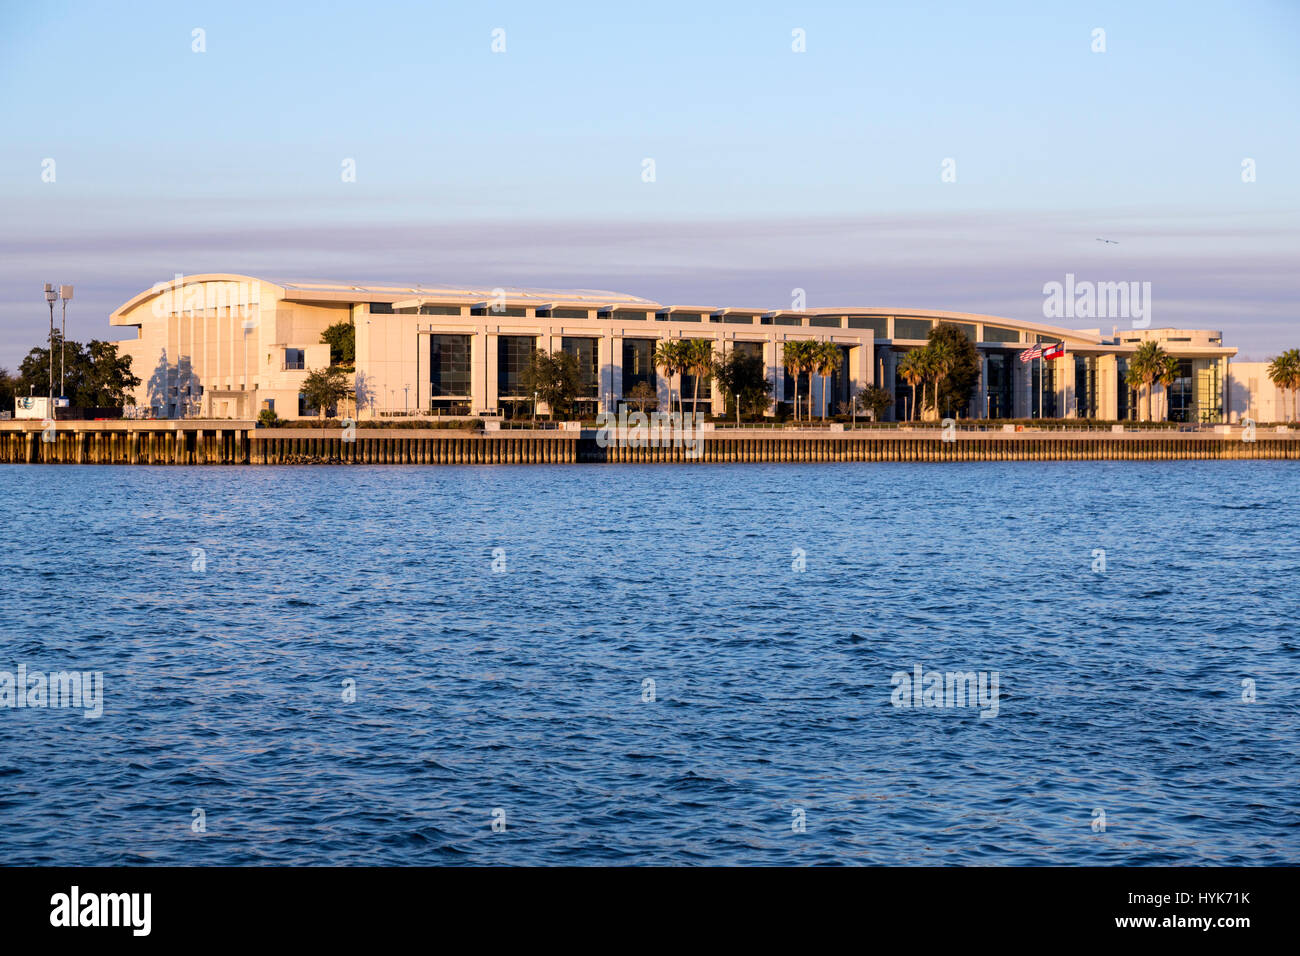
column 1144, row 368
column 670, row 355
column 795, row 356
column 1284, row 372
column 1168, row 375
column 911, row 369
column 1293, row 359
column 940, row 358
column 827, row 357
column 698, row 360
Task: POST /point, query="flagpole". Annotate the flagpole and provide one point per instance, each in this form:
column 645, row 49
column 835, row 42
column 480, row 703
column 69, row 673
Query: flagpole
column 1040, row 384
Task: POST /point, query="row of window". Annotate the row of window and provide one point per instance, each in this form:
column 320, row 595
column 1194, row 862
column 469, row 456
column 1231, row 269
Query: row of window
column 1189, row 397
column 904, row 328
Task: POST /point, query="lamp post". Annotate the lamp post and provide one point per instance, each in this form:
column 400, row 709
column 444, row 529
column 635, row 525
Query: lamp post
column 50, row 296
column 65, row 293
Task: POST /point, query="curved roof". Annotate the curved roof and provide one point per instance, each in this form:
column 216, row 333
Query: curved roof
column 311, row 290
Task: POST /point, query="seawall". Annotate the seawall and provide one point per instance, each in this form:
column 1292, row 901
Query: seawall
column 239, row 443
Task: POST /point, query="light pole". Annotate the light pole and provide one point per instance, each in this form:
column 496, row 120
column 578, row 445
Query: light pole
column 65, row 293
column 247, row 402
column 50, row 296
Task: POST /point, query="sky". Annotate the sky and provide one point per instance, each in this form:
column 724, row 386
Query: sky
column 911, row 155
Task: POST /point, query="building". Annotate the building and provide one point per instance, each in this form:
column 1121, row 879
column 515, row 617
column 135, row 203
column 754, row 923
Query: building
column 228, row 346
column 1252, row 394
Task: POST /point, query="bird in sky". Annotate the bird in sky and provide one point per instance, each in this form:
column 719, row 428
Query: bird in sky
column 1113, row 242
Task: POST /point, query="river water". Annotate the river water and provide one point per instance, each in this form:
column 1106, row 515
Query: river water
column 654, row 664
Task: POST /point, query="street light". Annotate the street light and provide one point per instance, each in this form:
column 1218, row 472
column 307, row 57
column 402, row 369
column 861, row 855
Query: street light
column 50, row 296
column 65, row 293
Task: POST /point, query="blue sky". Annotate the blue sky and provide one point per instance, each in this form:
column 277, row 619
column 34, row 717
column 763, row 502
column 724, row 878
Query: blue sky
column 773, row 169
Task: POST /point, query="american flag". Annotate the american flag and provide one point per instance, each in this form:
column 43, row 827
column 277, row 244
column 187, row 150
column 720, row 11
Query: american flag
column 1028, row 355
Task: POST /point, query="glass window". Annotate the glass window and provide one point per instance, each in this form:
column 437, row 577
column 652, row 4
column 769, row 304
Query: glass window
column 679, row 317
column 564, row 313
column 738, row 319
column 1125, row 397
column 638, row 363
column 1209, row 393
column 449, row 365
column 878, row 324
column 967, row 329
column 381, row 308
column 511, row 310
column 999, row 386
column 1047, row 370
column 826, row 321
column 1181, row 397
column 294, row 358
column 586, row 354
column 440, row 310
column 513, row 354
column 1085, row 386
column 911, row 328
column 995, row 333
column 782, row 320
column 624, row 315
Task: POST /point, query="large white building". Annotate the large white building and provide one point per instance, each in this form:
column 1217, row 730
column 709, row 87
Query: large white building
column 228, row 346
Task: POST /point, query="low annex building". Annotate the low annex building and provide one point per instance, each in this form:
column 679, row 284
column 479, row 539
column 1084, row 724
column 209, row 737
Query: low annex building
column 229, row 346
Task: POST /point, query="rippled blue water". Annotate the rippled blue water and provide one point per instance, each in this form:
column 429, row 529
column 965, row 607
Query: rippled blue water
column 1120, row 691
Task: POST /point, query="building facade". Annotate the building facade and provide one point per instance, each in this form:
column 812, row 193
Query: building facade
column 229, row 346
column 1252, row 395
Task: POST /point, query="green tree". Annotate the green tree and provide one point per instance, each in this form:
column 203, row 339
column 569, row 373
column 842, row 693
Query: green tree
column 1284, row 372
column 699, row 362
column 1144, row 368
column 109, row 379
column 874, row 400
column 95, row 376
column 797, row 358
column 827, row 357
column 671, row 356
column 742, row 377
column 324, row 388
column 643, row 397
column 911, row 369
column 553, row 378
column 954, row 366
column 8, row 390
column 341, row 337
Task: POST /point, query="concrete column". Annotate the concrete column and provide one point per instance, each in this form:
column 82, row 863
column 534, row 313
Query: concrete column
column 1107, row 387
column 772, row 361
column 615, row 383
column 887, row 362
column 604, row 366
column 1065, row 391
column 484, row 369
column 979, row 400
column 1022, row 384
column 723, row 345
